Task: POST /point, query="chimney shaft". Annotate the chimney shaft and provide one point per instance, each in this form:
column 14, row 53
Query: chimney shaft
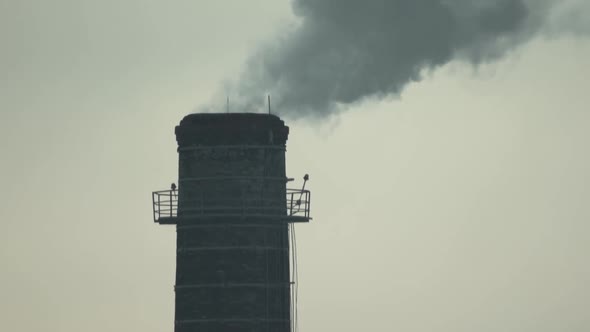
column 232, row 271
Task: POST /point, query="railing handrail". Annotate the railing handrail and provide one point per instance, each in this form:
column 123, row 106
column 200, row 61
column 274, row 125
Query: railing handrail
column 296, row 203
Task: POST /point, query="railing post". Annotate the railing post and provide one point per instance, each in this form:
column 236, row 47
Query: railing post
column 291, row 205
column 154, row 206
column 308, row 194
column 159, row 206
column 170, row 193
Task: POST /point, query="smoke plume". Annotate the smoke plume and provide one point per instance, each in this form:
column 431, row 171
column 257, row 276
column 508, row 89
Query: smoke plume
column 343, row 51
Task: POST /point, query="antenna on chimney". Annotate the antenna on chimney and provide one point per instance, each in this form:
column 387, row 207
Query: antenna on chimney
column 268, row 104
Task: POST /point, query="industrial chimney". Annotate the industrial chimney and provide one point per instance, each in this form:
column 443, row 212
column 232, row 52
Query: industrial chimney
column 233, row 214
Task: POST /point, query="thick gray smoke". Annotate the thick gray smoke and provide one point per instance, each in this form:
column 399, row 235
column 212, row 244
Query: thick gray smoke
column 343, row 51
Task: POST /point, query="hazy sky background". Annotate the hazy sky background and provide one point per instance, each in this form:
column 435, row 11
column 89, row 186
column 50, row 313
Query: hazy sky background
column 461, row 206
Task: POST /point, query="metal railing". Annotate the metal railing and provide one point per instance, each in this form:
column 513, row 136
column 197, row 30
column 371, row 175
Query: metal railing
column 296, row 204
column 165, row 204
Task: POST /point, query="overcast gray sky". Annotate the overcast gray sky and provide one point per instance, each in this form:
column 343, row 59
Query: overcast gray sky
column 461, row 205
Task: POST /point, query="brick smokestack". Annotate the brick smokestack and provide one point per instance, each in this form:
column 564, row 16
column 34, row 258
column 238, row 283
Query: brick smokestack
column 232, row 219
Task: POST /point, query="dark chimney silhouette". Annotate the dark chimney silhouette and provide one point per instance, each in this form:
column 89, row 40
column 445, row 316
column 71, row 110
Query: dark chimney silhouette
column 233, row 214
